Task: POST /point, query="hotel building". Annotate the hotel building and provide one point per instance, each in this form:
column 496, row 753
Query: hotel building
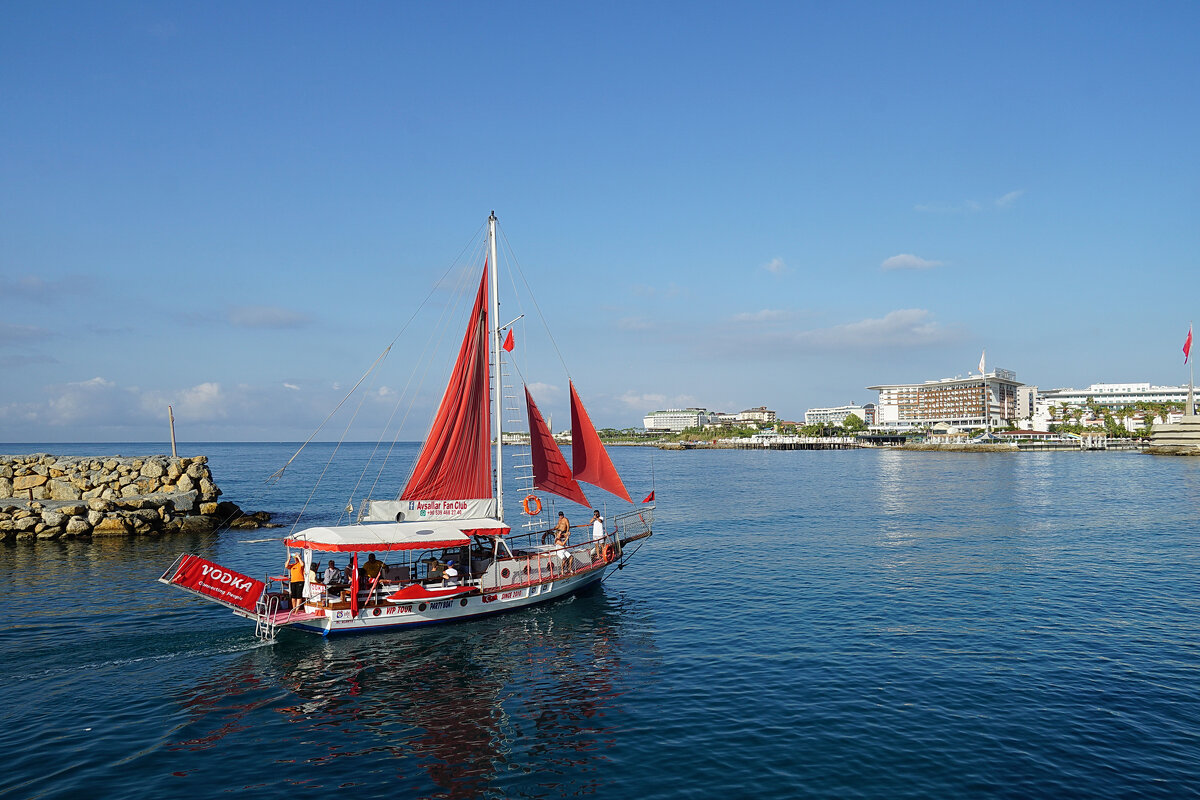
column 836, row 415
column 676, row 419
column 1114, row 395
column 974, row 402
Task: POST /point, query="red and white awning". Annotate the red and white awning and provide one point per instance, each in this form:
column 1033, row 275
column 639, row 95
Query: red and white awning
column 395, row 535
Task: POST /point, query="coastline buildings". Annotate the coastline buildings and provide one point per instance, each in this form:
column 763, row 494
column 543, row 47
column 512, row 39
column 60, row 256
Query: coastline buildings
column 836, row 415
column 1124, row 401
column 678, row 419
column 1114, row 395
column 761, row 415
column 973, row 402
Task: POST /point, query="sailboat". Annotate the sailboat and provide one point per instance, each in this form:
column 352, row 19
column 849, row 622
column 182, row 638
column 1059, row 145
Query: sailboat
column 449, row 553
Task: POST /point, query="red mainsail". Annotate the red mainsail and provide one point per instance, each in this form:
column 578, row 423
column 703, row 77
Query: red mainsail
column 550, row 470
column 589, row 459
column 456, row 461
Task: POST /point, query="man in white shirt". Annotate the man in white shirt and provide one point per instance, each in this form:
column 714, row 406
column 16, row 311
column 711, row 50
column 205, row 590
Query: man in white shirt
column 597, row 533
column 449, row 575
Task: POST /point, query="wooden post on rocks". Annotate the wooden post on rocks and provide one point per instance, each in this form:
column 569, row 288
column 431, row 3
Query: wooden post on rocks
column 171, row 417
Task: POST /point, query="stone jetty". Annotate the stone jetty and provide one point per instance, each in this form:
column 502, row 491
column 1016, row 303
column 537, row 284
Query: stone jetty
column 67, row 497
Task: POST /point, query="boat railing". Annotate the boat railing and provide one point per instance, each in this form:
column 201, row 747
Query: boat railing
column 637, row 523
column 539, row 563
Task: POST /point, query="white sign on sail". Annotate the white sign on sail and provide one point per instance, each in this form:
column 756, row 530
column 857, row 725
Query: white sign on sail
column 427, row 510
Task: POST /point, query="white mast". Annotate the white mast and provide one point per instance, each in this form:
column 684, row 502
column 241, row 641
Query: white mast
column 498, row 380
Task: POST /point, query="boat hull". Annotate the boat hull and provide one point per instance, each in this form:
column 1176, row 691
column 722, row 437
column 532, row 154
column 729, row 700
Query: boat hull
column 414, row 614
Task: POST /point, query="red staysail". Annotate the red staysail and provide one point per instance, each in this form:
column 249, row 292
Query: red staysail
column 589, row 459
column 456, row 461
column 550, row 470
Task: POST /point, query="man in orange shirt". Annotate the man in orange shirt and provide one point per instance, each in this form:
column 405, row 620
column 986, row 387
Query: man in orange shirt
column 295, row 568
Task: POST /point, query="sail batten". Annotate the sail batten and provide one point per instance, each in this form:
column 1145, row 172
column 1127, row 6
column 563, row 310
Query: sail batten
column 550, row 470
column 590, row 462
column 455, row 460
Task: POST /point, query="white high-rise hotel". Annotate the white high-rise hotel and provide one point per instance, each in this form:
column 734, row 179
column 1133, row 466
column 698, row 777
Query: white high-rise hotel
column 973, row 402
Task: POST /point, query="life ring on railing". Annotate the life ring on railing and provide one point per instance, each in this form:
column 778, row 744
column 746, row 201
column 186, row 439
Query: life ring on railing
column 533, row 506
column 547, row 537
column 609, row 553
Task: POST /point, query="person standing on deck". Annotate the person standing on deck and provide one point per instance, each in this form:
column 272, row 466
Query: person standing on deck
column 562, row 538
column 295, row 568
column 597, row 533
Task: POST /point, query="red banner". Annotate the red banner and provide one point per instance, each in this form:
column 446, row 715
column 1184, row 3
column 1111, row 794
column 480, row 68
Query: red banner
column 223, row 585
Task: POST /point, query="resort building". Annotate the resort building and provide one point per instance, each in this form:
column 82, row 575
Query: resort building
column 760, row 414
column 677, row 419
column 836, row 415
column 973, row 402
column 1114, row 395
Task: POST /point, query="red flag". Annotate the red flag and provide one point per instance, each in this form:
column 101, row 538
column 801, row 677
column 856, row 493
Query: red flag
column 649, row 497
column 1187, row 345
column 508, row 342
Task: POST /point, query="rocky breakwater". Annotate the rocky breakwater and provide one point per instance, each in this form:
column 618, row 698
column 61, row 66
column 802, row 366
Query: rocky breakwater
column 51, row 497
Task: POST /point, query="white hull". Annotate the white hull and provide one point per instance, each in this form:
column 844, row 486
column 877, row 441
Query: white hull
column 433, row 612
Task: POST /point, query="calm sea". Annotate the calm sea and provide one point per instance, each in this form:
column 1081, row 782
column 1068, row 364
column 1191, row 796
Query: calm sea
column 802, row 624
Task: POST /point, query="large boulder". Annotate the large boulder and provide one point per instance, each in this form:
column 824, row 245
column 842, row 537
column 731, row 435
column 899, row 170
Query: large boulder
column 77, row 526
column 111, row 526
column 63, row 490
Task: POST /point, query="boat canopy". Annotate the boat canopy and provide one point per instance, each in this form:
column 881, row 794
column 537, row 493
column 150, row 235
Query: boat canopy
column 396, row 535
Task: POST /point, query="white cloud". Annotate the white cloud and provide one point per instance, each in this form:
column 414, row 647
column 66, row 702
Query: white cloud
column 908, row 261
column 19, row 334
column 267, row 317
column 969, row 206
column 671, row 291
column 765, row 315
column 1004, row 201
column 291, row 386
column 40, row 290
column 900, row 329
column 634, row 324
column 906, row 327
column 643, row 403
column 775, row 266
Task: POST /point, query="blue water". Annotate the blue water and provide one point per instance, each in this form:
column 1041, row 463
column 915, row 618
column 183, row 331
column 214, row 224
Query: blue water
column 803, row 624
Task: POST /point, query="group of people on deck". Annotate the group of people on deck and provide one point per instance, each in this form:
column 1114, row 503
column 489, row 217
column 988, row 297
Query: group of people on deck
column 562, row 535
column 334, row 579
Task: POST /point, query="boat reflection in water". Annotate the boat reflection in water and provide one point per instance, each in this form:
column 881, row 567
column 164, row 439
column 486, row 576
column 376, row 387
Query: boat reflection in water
column 519, row 704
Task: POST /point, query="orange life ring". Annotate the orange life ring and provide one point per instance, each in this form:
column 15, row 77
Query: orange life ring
column 610, row 554
column 533, row 506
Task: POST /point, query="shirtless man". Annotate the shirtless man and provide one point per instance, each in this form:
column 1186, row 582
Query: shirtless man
column 562, row 538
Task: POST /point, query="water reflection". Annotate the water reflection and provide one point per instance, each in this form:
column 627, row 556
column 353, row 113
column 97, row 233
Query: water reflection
column 450, row 710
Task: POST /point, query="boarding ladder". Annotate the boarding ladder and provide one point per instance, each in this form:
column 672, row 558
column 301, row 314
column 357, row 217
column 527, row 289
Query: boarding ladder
column 264, row 621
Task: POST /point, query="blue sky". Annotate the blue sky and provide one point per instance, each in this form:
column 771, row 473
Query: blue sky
column 233, row 208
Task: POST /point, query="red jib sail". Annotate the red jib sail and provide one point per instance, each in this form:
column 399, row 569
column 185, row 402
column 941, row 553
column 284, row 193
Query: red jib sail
column 550, row 470
column 455, row 461
column 589, row 459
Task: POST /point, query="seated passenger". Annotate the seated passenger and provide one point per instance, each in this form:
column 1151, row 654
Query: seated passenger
column 434, row 569
column 334, row 579
column 371, row 569
column 449, row 575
